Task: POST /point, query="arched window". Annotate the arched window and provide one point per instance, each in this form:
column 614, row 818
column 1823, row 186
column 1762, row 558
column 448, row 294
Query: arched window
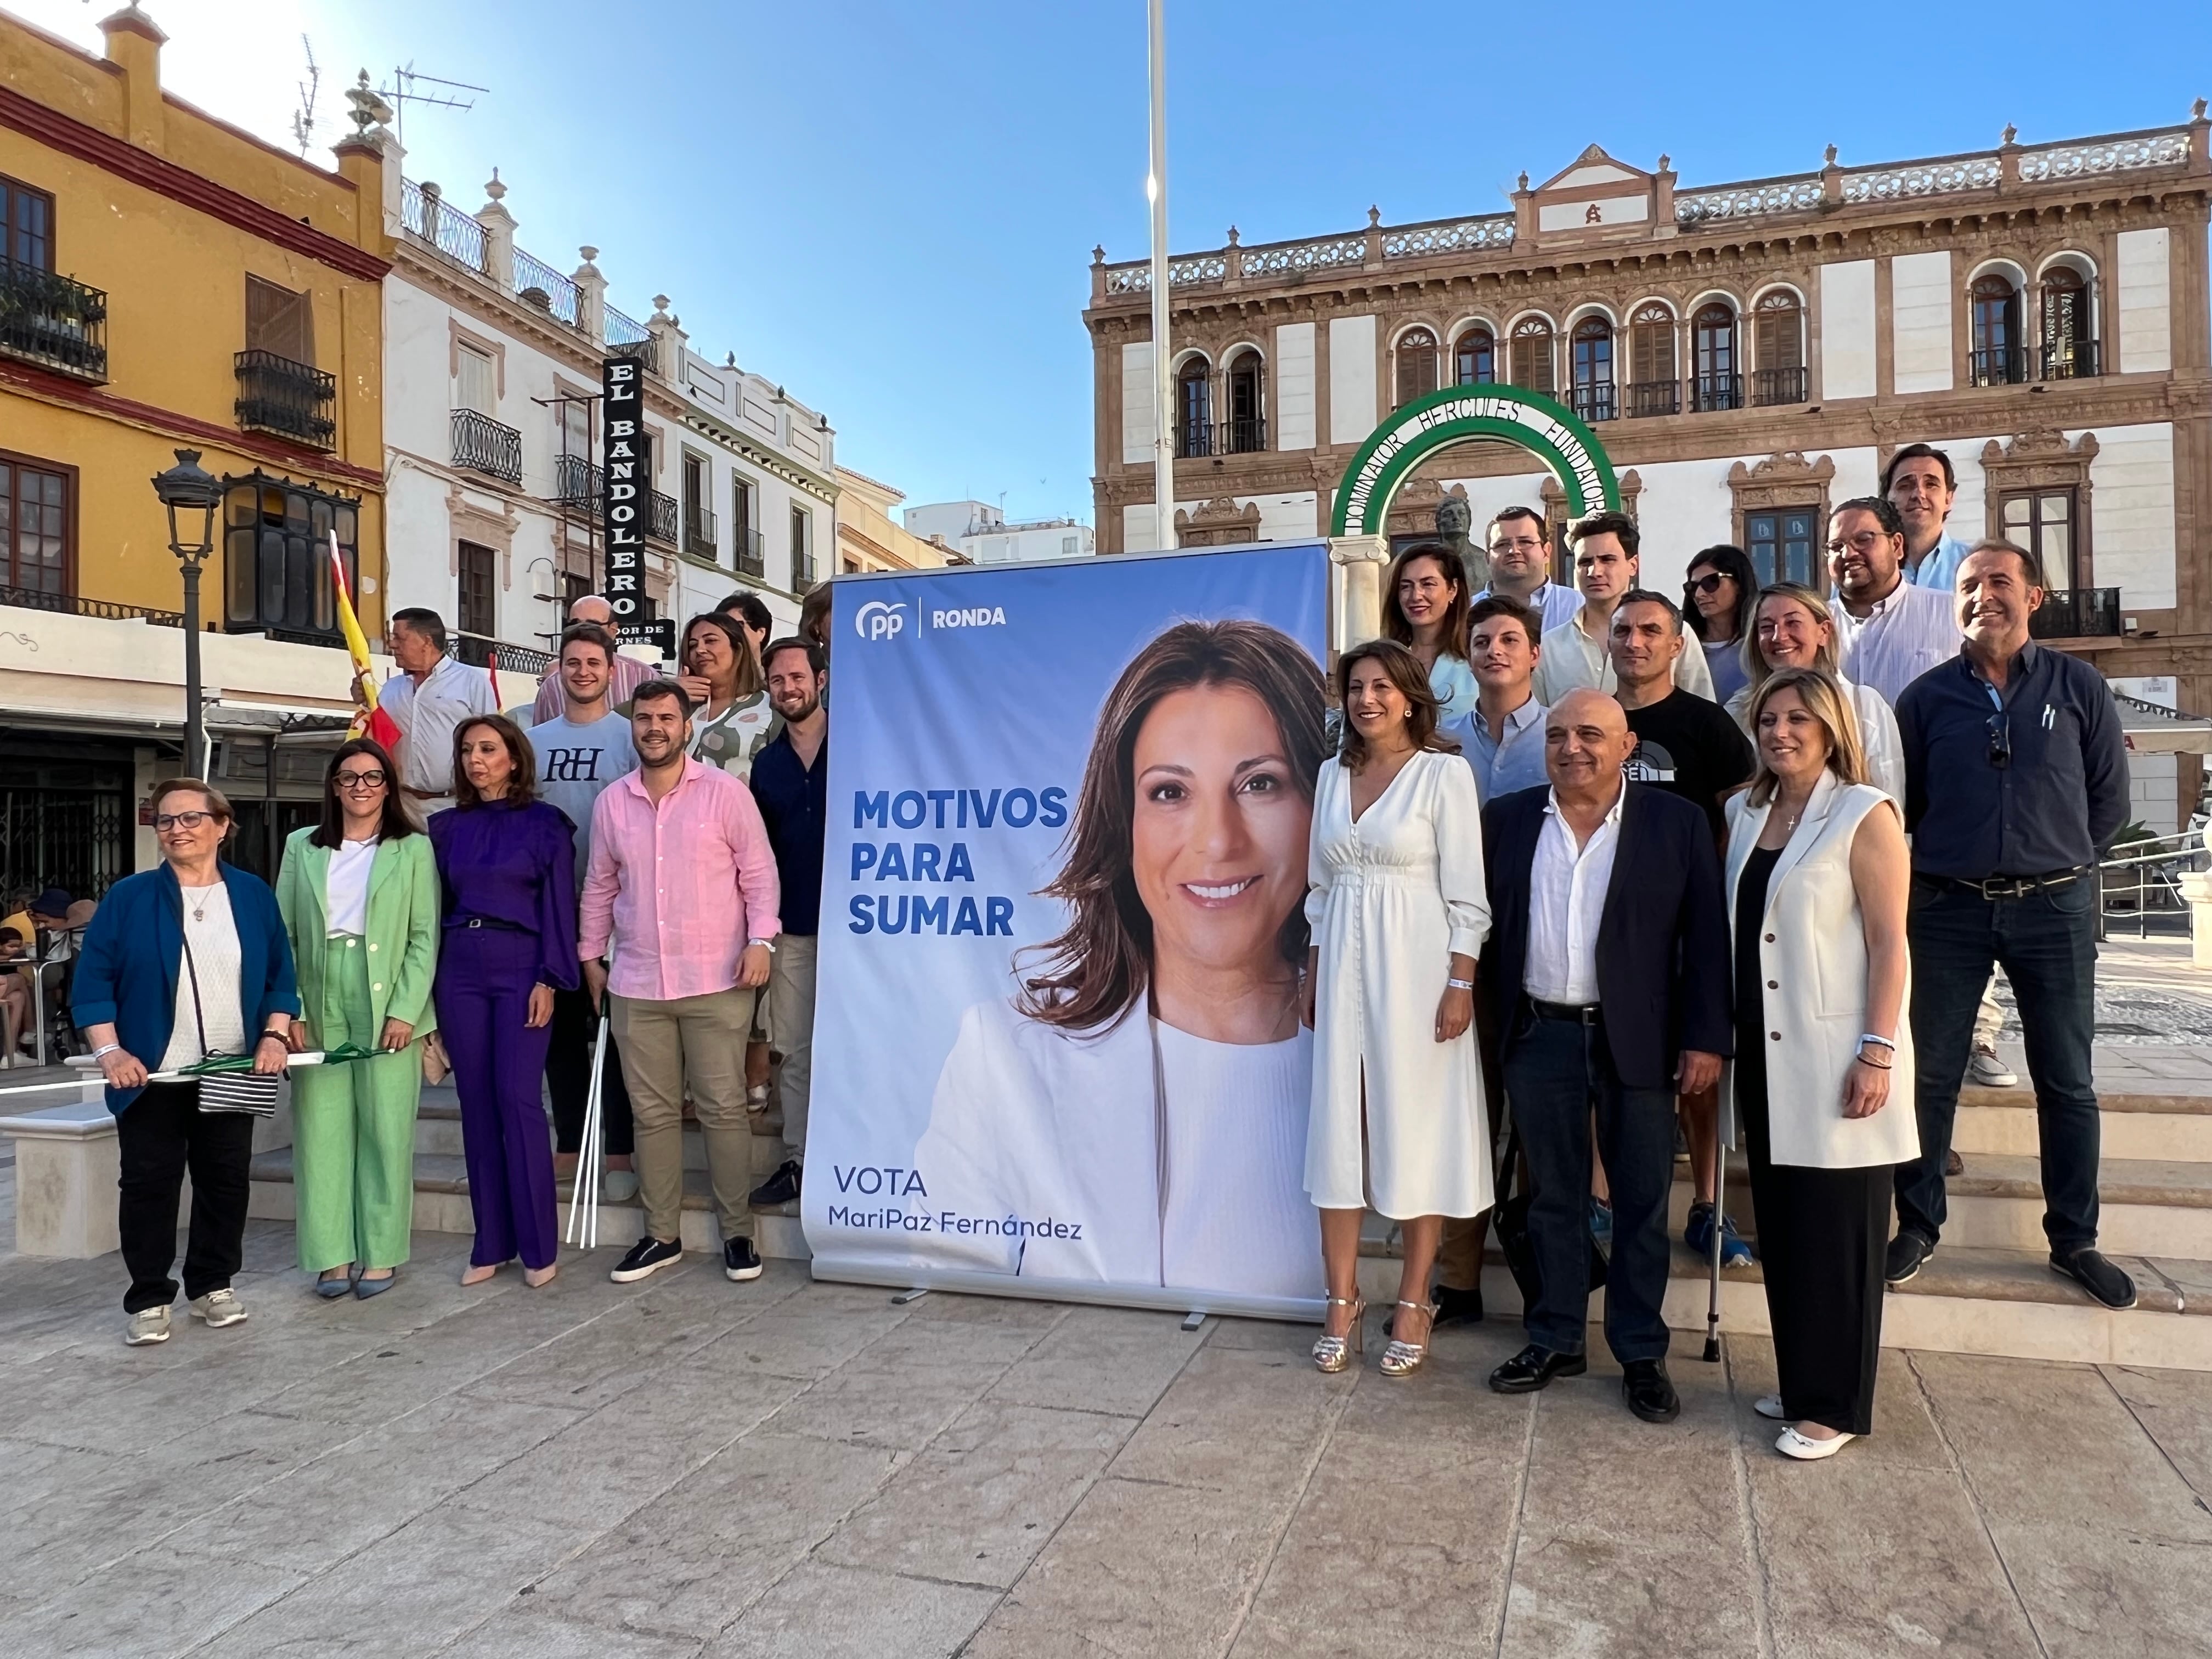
column 1195, row 408
column 1778, row 328
column 2000, row 354
column 1533, row 368
column 1475, row 357
column 1416, row 364
column 1248, row 423
column 1593, row 365
column 2069, row 346
column 1717, row 383
column 1654, row 387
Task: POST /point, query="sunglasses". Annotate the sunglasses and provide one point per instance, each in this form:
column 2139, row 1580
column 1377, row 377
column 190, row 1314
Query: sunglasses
column 2000, row 730
column 1708, row 583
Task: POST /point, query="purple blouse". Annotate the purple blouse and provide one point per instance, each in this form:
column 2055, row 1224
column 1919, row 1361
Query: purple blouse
column 514, row 868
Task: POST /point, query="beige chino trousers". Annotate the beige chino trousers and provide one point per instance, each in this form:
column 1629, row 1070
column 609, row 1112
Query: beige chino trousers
column 697, row 1042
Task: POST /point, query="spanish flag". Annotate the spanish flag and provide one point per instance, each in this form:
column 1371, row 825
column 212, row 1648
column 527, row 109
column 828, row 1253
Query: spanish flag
column 372, row 721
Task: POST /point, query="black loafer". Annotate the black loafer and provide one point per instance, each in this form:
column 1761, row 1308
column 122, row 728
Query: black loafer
column 1645, row 1386
column 1908, row 1254
column 1534, row 1368
column 1457, row 1307
column 2089, row 1267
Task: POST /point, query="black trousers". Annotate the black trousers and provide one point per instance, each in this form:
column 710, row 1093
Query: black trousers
column 159, row 1136
column 568, row 1077
column 1822, row 1234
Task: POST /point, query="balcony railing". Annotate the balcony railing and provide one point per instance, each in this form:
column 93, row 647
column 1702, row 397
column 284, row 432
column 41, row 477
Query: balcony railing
column 1193, row 438
column 1770, row 386
column 660, row 521
column 296, row 401
column 2070, row 360
column 483, row 445
column 751, row 560
column 1244, row 437
column 1655, row 397
column 2080, row 613
column 1594, row 401
column 56, row 322
column 628, row 337
column 699, row 527
column 577, row 482
column 2000, row 366
column 69, row 604
column 1712, row 392
column 802, row 573
column 477, row 649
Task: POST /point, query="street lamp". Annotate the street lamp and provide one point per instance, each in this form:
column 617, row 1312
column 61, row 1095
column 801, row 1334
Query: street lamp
column 191, row 495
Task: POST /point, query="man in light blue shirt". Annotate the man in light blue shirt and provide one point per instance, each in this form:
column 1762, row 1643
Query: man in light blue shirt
column 1521, row 567
column 1503, row 735
column 1920, row 485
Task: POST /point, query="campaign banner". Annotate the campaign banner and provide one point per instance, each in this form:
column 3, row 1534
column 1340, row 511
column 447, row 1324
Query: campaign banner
column 1057, row 1049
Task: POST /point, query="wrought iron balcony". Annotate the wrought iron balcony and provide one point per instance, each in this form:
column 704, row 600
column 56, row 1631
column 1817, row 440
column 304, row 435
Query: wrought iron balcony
column 2080, row 613
column 56, row 322
column 1193, row 438
column 1245, row 437
column 1655, row 397
column 477, row 649
column 30, row 598
column 802, row 573
column 1770, row 386
column 752, row 560
column 483, row 445
column 2070, row 360
column 699, row 527
column 1712, row 392
column 292, row 400
column 660, row 521
column 578, row 486
column 1594, row 401
column 2000, row 366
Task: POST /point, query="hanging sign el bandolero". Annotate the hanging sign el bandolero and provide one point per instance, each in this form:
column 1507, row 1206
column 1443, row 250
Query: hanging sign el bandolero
column 1462, row 414
column 625, row 497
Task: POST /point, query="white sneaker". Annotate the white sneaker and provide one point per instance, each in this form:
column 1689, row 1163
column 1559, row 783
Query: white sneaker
column 219, row 1308
column 1986, row 1069
column 147, row 1325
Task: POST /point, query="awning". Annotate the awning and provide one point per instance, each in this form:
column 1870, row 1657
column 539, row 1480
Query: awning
column 2151, row 730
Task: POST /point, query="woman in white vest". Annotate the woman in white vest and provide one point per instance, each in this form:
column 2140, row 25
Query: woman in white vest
column 1818, row 880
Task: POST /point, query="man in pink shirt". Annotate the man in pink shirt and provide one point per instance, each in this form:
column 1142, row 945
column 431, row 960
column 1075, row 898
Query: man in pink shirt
column 683, row 878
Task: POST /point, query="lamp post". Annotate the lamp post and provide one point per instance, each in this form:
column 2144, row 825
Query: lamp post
column 192, row 496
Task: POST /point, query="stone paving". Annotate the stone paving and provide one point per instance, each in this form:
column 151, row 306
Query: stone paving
column 688, row 1468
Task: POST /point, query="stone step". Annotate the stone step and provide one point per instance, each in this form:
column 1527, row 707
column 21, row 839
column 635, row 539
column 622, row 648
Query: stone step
column 2163, row 1125
column 438, row 1132
column 1996, row 1302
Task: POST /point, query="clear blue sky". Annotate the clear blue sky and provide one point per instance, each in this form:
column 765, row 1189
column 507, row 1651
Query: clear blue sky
column 890, row 206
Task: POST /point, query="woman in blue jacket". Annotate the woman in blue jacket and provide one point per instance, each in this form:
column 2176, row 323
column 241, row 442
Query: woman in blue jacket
column 187, row 960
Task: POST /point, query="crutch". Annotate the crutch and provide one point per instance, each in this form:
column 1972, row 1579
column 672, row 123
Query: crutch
column 584, row 1201
column 1720, row 1180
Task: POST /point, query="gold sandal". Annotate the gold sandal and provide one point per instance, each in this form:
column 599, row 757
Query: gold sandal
column 1334, row 1353
column 1404, row 1359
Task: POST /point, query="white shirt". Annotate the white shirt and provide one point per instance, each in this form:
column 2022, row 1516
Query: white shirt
column 1572, row 660
column 1566, row 901
column 427, row 715
column 1907, row 632
column 1226, row 1135
column 211, row 938
column 345, row 888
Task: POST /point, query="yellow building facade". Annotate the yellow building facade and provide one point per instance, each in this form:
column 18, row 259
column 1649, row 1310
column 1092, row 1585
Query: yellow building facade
column 169, row 282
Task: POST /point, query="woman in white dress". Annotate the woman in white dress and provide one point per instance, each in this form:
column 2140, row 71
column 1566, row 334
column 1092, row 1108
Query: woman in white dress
column 1137, row 1115
column 1791, row 627
column 1398, row 909
column 1425, row 608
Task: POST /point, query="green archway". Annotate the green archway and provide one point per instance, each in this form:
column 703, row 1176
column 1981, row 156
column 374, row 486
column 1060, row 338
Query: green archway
column 1546, row 429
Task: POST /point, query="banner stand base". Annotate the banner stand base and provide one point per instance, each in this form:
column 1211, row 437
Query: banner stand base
column 1192, row 1320
column 900, row 1277
column 913, row 1294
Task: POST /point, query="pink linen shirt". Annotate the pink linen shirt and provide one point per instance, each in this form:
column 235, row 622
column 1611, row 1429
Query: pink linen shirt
column 681, row 886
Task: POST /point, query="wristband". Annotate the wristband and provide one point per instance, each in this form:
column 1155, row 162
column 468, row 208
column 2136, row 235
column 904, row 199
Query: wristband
column 106, row 1050
column 1461, row 984
column 1866, row 1037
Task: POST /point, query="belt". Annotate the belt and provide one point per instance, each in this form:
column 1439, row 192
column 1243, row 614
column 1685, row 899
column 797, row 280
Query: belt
column 1581, row 1013
column 491, row 922
column 2013, row 887
column 424, row 794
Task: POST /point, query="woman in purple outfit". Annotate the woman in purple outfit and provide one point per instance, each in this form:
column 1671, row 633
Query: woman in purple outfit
column 507, row 866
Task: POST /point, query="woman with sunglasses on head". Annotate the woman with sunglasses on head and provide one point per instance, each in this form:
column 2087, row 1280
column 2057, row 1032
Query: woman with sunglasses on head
column 1717, row 597
column 359, row 895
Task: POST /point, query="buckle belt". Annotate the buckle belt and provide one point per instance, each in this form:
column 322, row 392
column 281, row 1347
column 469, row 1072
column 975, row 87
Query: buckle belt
column 1580, row 1014
column 2015, row 887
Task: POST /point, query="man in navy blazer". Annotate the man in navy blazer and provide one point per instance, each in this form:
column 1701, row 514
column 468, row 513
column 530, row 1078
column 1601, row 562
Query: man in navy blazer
column 1607, row 975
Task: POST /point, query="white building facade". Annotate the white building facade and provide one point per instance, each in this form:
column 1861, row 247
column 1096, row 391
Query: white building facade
column 981, row 533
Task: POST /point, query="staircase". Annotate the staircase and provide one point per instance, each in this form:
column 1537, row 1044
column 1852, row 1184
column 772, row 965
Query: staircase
column 1989, row 1289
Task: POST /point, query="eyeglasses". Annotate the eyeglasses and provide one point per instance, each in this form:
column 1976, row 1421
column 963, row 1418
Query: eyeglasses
column 373, row 780
column 166, row 821
column 2000, row 729
column 1708, row 583
column 1865, row 542
column 1526, row 544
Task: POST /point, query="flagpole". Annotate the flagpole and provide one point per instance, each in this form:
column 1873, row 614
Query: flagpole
column 1156, row 190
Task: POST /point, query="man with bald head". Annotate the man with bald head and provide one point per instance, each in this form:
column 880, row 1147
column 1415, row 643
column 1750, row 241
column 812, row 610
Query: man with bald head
column 629, row 673
column 1606, row 970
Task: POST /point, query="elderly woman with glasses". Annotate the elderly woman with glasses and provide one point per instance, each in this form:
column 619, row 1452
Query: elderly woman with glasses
column 359, row 895
column 180, row 962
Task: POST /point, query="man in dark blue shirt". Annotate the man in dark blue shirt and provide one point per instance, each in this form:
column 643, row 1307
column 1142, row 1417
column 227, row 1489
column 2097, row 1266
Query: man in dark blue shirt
column 2015, row 782
column 791, row 783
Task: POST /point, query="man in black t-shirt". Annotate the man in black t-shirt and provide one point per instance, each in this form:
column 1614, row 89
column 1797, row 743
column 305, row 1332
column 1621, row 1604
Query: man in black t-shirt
column 1691, row 747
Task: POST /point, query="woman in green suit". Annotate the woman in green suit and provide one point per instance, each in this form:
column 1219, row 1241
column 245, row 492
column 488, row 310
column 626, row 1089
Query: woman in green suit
column 359, row 894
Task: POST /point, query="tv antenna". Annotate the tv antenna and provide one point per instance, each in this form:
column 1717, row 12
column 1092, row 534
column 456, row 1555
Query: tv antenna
column 303, row 122
column 403, row 93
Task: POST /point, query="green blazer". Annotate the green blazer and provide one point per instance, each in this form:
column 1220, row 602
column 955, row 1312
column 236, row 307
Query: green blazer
column 403, row 928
